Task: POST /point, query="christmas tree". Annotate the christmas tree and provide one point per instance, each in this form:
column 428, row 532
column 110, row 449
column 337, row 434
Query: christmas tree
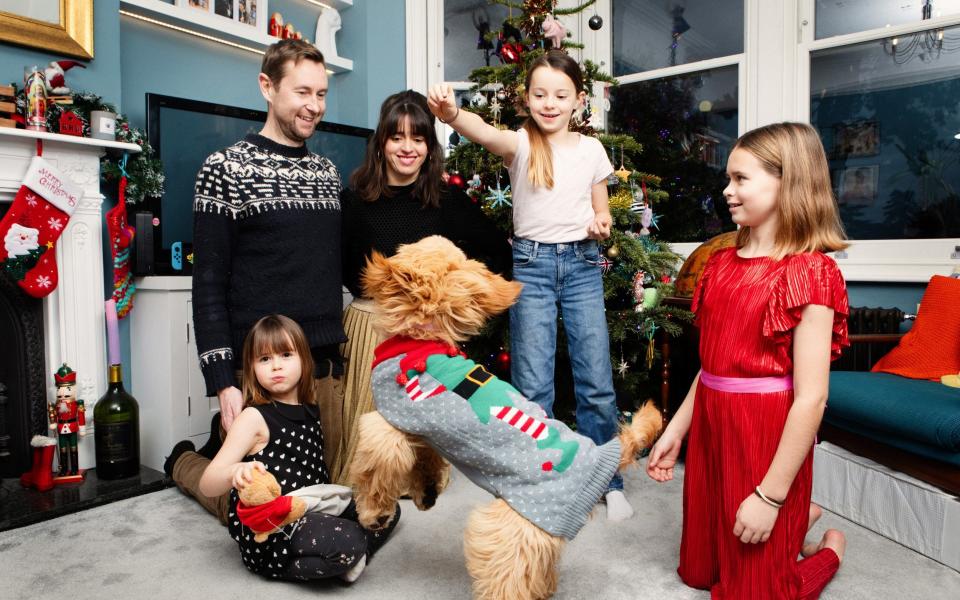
column 637, row 267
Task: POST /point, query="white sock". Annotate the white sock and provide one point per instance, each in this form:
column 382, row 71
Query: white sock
column 354, row 573
column 618, row 507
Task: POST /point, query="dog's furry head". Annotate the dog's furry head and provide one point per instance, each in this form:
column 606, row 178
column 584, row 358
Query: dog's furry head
column 430, row 290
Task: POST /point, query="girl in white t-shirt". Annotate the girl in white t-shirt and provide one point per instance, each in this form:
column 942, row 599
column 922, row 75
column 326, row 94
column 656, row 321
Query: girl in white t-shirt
column 560, row 210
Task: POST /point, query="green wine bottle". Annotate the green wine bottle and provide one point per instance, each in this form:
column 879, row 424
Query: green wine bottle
column 116, row 427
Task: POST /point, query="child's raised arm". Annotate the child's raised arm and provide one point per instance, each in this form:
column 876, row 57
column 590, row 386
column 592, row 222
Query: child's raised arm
column 226, row 470
column 443, row 105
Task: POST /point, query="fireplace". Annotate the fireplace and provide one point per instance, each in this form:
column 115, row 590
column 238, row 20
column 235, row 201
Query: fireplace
column 22, row 378
column 36, row 336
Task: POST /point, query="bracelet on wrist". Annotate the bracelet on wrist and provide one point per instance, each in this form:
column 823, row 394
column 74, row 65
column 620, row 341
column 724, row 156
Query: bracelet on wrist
column 770, row 501
column 455, row 115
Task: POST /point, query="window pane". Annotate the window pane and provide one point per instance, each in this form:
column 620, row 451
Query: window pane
column 463, row 21
column 888, row 123
column 687, row 125
column 654, row 34
column 849, row 16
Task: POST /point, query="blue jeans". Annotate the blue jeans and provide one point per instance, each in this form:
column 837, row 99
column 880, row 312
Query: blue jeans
column 565, row 276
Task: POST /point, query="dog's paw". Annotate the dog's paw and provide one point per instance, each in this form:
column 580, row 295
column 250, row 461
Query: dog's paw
column 428, row 499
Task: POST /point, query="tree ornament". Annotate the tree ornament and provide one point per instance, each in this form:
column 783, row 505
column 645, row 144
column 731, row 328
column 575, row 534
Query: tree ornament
column 638, row 286
column 613, row 251
column 500, row 196
column 501, row 95
column 623, row 367
column 456, row 179
column 554, row 31
column 478, row 100
column 605, row 264
column 454, row 138
column 503, row 361
column 510, row 53
column 495, row 108
column 595, row 22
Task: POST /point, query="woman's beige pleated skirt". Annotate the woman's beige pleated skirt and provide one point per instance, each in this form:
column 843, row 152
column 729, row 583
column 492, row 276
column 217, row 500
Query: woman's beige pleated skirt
column 357, row 353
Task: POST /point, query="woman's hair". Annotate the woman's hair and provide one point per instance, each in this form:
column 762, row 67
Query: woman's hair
column 807, row 215
column 401, row 110
column 276, row 334
column 540, row 165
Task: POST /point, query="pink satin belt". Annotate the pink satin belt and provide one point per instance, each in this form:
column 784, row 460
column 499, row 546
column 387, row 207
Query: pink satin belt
column 746, row 385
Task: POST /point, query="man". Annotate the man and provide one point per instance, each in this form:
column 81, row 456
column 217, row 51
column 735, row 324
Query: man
column 267, row 240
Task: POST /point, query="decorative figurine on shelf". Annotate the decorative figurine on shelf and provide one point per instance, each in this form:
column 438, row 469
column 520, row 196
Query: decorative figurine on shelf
column 35, row 87
column 70, row 123
column 328, row 24
column 69, row 422
column 55, row 74
column 276, row 25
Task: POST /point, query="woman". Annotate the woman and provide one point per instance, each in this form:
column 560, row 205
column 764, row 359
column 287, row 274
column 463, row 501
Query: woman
column 397, row 196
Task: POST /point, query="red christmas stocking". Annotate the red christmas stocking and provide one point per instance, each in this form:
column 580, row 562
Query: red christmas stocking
column 39, row 214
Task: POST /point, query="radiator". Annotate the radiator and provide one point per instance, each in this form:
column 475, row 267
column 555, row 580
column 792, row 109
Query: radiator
column 861, row 356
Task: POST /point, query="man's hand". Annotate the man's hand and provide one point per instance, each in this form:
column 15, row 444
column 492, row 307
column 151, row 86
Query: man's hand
column 231, row 403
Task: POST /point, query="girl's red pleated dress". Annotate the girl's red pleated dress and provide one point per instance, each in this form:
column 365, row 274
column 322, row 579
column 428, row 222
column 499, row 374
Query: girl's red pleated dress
column 747, row 309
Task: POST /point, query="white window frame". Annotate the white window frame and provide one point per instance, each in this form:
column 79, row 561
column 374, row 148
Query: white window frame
column 774, row 85
column 908, row 261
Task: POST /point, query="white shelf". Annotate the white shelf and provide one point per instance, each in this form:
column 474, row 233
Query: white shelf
column 220, row 29
column 67, row 139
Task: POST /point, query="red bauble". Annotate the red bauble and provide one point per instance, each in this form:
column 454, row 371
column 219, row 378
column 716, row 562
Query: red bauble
column 510, row 53
column 503, row 361
column 457, row 180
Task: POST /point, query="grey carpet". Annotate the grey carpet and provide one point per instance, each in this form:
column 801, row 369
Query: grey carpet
column 163, row 545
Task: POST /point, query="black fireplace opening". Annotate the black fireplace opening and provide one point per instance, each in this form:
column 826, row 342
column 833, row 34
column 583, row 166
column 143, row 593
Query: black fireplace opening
column 23, row 403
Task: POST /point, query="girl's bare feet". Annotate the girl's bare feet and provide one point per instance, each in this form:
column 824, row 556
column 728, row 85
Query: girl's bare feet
column 833, row 539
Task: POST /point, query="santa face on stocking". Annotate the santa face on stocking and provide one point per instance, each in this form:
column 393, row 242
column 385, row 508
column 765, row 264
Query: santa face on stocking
column 20, row 240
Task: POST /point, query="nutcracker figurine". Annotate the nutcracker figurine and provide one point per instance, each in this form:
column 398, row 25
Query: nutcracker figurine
column 69, row 420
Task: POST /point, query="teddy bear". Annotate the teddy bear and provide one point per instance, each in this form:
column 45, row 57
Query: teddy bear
column 264, row 510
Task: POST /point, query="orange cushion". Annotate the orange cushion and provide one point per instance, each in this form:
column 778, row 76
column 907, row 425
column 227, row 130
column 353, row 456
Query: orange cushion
column 931, row 348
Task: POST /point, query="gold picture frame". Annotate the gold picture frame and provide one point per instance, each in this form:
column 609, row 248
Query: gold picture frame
column 72, row 36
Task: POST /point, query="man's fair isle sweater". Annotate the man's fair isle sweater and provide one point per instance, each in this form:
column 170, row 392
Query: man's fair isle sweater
column 500, row 440
column 266, row 240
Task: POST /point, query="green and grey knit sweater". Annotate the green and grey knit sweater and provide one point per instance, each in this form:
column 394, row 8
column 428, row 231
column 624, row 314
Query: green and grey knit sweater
column 500, row 440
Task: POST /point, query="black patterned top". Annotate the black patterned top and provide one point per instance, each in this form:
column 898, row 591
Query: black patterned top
column 266, row 239
column 294, row 455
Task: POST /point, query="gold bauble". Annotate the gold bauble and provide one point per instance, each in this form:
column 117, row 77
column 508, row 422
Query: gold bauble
column 613, row 251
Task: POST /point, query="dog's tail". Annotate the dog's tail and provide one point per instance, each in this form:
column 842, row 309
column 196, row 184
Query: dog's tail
column 639, row 434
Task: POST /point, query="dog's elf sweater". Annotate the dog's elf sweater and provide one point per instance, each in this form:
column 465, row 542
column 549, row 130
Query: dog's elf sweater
column 500, row 440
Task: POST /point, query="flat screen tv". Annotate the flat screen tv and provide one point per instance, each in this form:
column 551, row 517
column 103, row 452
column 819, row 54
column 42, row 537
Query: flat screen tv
column 184, row 132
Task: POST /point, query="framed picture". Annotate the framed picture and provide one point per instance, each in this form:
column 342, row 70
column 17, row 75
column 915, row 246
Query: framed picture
column 199, row 5
column 252, row 13
column 53, row 26
column 861, row 138
column 857, row 186
column 225, row 8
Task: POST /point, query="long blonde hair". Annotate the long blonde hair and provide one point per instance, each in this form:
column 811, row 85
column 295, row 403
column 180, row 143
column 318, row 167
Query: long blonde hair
column 807, row 214
column 540, row 165
column 276, row 333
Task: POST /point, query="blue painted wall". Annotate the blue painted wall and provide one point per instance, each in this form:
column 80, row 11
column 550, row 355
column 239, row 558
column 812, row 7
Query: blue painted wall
column 132, row 58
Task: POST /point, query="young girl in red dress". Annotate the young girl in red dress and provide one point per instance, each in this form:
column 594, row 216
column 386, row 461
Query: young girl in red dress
column 772, row 313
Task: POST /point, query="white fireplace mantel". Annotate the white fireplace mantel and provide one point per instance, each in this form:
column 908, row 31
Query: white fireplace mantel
column 73, row 314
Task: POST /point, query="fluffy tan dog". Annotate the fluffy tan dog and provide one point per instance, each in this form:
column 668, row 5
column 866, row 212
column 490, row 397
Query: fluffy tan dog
column 431, row 399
